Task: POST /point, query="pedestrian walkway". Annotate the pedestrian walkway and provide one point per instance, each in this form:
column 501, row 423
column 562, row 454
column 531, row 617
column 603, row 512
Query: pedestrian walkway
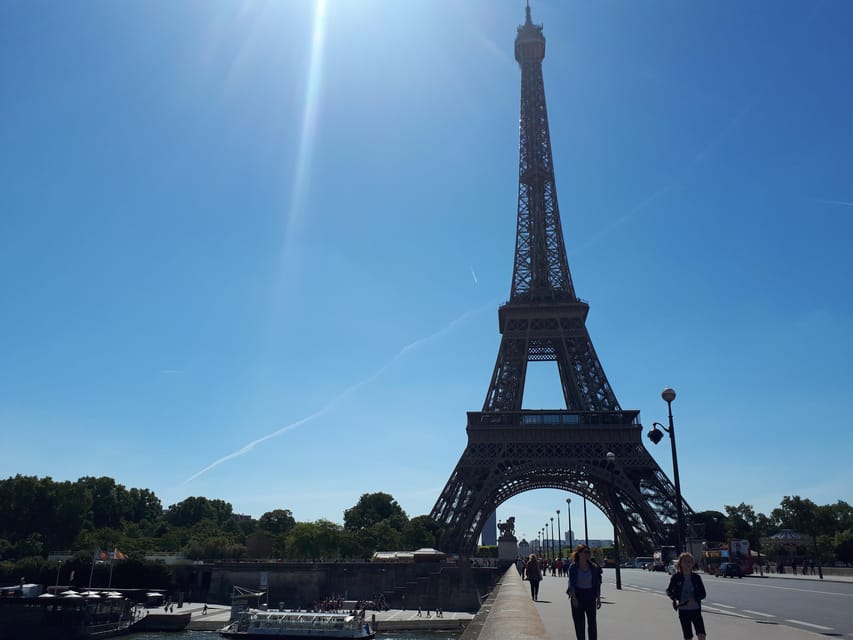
column 640, row 615
column 830, row 575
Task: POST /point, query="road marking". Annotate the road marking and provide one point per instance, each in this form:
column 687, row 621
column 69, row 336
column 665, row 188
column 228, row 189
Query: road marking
column 727, row 612
column 724, row 606
column 758, row 613
column 757, row 585
column 809, row 624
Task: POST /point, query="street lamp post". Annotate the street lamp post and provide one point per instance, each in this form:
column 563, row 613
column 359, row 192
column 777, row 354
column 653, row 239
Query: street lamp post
column 569, row 512
column 655, row 436
column 585, row 530
column 58, row 567
column 611, row 459
column 551, row 539
column 559, row 536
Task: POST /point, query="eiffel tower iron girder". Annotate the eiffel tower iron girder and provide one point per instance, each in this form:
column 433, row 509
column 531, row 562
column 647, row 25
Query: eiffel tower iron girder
column 509, row 453
column 511, row 450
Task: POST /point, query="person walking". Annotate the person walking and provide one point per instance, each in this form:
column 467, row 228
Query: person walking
column 687, row 591
column 584, row 592
column 533, row 573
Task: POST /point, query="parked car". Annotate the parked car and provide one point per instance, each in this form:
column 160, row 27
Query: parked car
column 730, row 570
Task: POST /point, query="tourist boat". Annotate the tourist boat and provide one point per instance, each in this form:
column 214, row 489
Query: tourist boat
column 297, row 625
column 26, row 612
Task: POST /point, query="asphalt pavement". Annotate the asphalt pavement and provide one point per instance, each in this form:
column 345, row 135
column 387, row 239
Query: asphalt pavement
column 646, row 615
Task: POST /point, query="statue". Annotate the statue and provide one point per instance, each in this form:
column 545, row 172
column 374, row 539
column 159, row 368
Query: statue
column 507, row 528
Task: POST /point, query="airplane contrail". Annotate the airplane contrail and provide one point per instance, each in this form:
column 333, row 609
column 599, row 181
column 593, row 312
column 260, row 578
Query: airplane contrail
column 343, row 394
column 841, row 202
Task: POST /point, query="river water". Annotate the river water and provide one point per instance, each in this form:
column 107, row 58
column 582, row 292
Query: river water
column 213, row 635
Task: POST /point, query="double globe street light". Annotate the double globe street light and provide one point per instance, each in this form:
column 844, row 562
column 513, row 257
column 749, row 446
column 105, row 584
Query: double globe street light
column 656, row 435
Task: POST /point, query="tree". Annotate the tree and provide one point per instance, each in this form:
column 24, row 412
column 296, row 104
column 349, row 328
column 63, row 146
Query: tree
column 373, row 508
column 743, row 522
column 302, row 542
column 844, row 550
column 31, row 546
column 110, row 501
column 277, row 521
column 714, row 523
column 73, row 510
column 418, row 533
column 796, row 513
column 380, row 537
column 193, row 510
column 144, row 505
column 27, row 505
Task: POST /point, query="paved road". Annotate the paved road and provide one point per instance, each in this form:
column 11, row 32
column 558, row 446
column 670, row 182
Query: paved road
column 821, row 606
column 642, row 612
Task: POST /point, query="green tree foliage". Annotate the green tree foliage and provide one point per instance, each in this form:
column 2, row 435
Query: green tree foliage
column 195, row 509
column 277, row 521
column 109, row 501
column 714, row 525
column 39, row 515
column 27, row 505
column 73, row 509
column 215, row 548
column 418, row 533
column 381, row 536
column 844, row 548
column 797, row 514
column 743, row 522
column 373, row 508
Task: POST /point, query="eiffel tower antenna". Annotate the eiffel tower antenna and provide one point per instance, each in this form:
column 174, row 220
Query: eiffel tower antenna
column 590, row 446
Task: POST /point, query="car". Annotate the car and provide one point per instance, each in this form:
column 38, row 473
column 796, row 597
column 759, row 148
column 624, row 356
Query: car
column 730, row 570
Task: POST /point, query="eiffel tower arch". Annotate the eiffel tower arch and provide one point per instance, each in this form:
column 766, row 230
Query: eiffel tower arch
column 511, row 450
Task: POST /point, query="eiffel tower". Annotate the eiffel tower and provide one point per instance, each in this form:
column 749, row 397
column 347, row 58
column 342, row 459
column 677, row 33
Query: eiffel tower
column 511, row 450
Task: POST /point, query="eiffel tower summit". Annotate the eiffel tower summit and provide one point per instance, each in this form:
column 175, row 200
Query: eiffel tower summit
column 591, row 447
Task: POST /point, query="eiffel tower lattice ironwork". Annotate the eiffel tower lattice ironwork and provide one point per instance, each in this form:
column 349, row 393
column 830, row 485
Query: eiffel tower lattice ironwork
column 511, row 450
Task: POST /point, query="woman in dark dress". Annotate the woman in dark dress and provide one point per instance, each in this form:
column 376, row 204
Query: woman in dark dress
column 534, row 575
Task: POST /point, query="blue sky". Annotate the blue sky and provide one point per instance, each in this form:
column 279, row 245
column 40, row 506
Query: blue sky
column 255, row 251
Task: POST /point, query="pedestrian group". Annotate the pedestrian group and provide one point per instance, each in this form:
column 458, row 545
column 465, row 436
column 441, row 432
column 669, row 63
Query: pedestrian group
column 686, row 590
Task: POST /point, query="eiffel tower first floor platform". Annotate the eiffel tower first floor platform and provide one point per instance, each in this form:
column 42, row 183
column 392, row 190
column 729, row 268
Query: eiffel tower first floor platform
column 511, row 452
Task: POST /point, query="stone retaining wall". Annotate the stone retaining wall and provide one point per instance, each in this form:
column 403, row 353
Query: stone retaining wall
column 508, row 612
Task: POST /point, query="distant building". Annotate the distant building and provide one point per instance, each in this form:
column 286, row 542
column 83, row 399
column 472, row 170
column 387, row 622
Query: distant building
column 489, row 537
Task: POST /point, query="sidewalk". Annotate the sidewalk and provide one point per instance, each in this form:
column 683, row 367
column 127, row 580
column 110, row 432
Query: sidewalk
column 827, row 577
column 641, row 615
